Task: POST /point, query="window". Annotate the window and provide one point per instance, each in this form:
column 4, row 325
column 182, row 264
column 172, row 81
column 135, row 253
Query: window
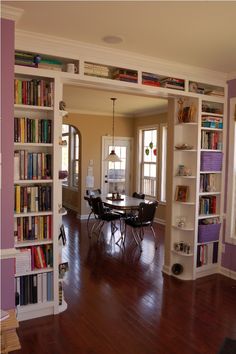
column 70, row 155
column 231, row 187
column 152, row 176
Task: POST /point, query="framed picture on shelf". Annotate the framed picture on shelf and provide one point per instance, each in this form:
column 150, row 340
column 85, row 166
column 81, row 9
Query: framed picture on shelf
column 182, row 193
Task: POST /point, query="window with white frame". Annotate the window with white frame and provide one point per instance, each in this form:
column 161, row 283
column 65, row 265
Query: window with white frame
column 231, row 187
column 70, row 155
column 152, row 154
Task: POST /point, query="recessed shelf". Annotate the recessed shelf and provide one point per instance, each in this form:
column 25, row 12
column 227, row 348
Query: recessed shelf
column 36, row 213
column 184, row 254
column 209, row 193
column 36, row 271
column 32, row 243
column 184, row 203
column 208, row 216
column 190, row 177
column 183, row 228
column 40, row 145
column 31, row 107
column 33, row 181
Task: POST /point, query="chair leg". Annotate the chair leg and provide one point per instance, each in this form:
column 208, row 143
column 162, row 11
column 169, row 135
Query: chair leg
column 137, row 239
column 154, row 236
column 88, row 221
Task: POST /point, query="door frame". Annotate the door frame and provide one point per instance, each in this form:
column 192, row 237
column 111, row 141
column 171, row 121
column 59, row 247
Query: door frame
column 116, row 139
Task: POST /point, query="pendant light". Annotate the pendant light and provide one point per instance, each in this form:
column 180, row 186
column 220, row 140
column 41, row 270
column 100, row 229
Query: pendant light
column 112, row 157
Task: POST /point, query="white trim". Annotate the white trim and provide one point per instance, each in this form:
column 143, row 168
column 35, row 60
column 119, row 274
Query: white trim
column 230, row 232
column 11, row 13
column 8, row 253
column 228, row 273
column 166, row 269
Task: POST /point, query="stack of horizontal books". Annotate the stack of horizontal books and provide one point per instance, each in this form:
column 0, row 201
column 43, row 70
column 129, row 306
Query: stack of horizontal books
column 173, row 83
column 25, row 59
column 125, row 75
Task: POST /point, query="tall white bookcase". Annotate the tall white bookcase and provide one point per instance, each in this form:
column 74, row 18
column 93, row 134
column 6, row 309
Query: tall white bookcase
column 38, row 198
column 195, row 248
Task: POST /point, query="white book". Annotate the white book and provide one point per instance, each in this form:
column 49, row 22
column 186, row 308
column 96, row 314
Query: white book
column 44, row 287
column 16, row 166
column 39, row 288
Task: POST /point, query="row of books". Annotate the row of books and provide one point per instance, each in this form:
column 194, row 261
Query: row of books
column 32, row 258
column 207, row 205
column 32, row 165
column 173, row 83
column 211, row 140
column 96, row 70
column 36, row 288
column 207, row 254
column 150, row 79
column 207, row 182
column 28, row 199
column 125, row 75
column 27, row 130
column 33, row 228
column 212, row 122
column 211, row 108
column 34, row 92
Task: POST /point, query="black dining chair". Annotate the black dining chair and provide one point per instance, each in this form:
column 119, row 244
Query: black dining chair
column 138, row 195
column 102, row 215
column 138, row 223
column 91, row 193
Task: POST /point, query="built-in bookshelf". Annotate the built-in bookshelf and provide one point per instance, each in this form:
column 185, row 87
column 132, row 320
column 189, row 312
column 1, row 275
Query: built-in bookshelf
column 37, row 189
column 197, row 187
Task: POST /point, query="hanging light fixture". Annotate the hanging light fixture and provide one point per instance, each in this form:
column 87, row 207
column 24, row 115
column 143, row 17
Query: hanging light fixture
column 112, row 157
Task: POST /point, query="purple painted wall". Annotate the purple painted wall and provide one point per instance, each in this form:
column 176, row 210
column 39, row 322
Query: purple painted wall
column 229, row 256
column 7, row 192
column 7, row 284
column 7, row 129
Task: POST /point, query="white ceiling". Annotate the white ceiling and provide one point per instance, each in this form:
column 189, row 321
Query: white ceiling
column 199, row 33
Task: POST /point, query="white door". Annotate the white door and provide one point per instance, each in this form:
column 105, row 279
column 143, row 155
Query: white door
column 116, row 175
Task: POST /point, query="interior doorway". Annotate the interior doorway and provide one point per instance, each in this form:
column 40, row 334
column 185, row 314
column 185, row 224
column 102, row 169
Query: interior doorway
column 116, row 175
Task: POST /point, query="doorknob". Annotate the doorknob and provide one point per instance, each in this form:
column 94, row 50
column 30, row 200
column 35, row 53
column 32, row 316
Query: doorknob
column 105, row 181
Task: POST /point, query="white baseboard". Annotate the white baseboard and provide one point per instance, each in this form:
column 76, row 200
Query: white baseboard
column 166, row 269
column 228, row 273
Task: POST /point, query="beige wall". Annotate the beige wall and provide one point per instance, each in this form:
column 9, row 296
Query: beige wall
column 91, row 129
column 142, row 122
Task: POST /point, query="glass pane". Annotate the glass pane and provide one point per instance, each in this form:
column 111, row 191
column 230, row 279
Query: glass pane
column 149, row 148
column 75, row 173
column 65, row 154
column 76, row 146
column 65, row 128
column 153, row 171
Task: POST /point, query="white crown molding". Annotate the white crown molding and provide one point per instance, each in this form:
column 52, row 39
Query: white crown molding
column 95, row 113
column 45, row 44
column 232, row 76
column 11, row 13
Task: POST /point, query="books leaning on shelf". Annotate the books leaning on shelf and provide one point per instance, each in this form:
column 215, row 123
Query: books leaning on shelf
column 32, row 258
column 207, row 205
column 30, row 199
column 33, row 92
column 28, row 130
column 207, row 254
column 212, row 122
column 207, row 182
column 32, row 228
column 211, row 140
column 32, row 165
column 35, row 288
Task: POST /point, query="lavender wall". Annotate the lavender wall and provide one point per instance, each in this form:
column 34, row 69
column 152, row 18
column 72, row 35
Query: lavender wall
column 229, row 256
column 7, row 114
column 7, row 192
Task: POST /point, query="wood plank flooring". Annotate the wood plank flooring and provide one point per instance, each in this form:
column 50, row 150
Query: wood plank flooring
column 119, row 302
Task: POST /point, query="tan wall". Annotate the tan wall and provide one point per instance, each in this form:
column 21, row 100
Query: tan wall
column 142, row 122
column 91, row 129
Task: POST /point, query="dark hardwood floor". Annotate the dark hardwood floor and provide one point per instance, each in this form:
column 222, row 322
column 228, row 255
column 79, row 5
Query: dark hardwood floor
column 119, row 302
